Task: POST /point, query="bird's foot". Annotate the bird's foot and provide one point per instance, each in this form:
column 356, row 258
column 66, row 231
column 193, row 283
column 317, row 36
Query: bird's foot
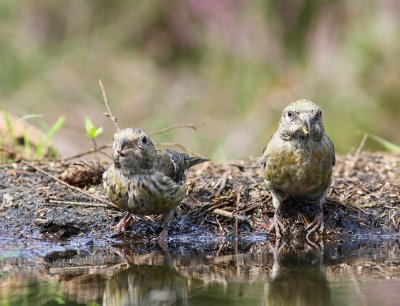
column 123, row 224
column 278, row 226
column 317, row 226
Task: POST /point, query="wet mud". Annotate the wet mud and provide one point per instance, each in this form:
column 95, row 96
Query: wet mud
column 225, row 202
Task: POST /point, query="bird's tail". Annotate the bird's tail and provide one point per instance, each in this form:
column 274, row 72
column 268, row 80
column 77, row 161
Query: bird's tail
column 191, row 161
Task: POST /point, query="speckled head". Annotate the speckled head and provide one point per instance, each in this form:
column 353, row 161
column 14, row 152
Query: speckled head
column 133, row 150
column 301, row 119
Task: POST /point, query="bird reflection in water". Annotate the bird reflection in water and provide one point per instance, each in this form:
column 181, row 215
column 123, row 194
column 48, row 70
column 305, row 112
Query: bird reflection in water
column 146, row 285
column 297, row 278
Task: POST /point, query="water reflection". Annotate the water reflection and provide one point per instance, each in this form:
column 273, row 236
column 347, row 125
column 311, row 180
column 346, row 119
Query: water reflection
column 146, row 285
column 268, row 274
column 297, row 278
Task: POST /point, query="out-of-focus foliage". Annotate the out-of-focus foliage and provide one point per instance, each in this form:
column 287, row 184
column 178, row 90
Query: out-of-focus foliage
column 22, row 140
column 232, row 65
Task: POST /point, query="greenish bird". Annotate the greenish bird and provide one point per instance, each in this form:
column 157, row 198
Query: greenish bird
column 298, row 161
column 143, row 180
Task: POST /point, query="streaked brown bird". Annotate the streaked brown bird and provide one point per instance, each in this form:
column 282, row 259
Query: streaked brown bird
column 298, row 161
column 143, row 180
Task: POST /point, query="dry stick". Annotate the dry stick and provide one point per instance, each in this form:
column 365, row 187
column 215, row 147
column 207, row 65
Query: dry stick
column 87, row 152
column 109, row 113
column 178, row 145
column 173, row 127
column 78, row 203
column 70, row 186
column 228, row 214
column 238, row 198
column 359, row 150
column 223, row 184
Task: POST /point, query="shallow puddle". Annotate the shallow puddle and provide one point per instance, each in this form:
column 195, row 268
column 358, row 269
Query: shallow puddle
column 224, row 273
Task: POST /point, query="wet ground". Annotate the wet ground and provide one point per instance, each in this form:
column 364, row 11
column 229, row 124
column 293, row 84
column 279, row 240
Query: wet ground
column 224, row 200
column 57, row 246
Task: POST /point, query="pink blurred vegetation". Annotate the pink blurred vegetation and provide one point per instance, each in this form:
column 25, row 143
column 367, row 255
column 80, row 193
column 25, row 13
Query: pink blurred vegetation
column 228, row 66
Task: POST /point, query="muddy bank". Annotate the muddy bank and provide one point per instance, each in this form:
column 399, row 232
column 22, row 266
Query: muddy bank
column 224, row 201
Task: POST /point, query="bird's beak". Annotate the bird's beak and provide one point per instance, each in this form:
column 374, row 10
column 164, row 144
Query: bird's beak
column 119, row 152
column 306, row 127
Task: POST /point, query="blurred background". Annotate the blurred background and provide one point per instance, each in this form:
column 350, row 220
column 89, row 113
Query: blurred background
column 227, row 66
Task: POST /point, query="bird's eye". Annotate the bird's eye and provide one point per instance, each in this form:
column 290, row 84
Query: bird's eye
column 290, row 114
column 144, row 139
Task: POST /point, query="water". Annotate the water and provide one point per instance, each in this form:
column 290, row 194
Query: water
column 350, row 273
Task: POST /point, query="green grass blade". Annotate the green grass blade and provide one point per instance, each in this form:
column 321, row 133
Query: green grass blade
column 55, row 128
column 27, row 145
column 391, row 147
column 27, row 117
column 10, row 129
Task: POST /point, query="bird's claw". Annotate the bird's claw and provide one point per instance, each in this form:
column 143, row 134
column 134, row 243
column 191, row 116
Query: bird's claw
column 278, row 226
column 317, row 226
column 123, row 224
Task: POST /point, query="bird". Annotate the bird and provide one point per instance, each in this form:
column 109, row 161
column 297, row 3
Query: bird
column 298, row 162
column 143, row 180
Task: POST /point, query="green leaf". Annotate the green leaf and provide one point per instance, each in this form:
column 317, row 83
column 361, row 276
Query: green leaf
column 89, row 126
column 98, row 131
column 91, row 130
column 394, row 148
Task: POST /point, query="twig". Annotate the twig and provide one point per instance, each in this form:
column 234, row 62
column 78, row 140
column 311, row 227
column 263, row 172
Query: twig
column 228, row 214
column 178, row 145
column 69, row 186
column 173, row 127
column 223, row 184
column 243, row 168
column 359, row 150
column 244, row 211
column 78, row 203
column 238, row 198
column 109, row 113
column 99, row 149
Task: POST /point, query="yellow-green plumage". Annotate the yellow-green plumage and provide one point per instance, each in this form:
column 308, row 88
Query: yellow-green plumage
column 298, row 160
column 144, row 194
column 304, row 172
column 143, row 180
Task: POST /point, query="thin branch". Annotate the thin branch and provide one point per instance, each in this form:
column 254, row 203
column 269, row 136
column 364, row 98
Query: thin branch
column 78, row 203
column 109, row 113
column 99, row 149
column 229, row 214
column 70, row 186
column 358, row 152
column 173, row 127
column 178, row 145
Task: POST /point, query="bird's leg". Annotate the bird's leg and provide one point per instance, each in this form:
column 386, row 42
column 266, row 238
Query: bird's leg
column 277, row 251
column 163, row 237
column 318, row 223
column 123, row 224
column 277, row 224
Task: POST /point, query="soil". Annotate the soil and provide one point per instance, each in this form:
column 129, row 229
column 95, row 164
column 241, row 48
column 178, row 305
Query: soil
column 225, row 202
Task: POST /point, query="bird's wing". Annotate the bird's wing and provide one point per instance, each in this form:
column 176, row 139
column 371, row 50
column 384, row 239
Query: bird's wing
column 180, row 163
column 178, row 167
column 263, row 159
